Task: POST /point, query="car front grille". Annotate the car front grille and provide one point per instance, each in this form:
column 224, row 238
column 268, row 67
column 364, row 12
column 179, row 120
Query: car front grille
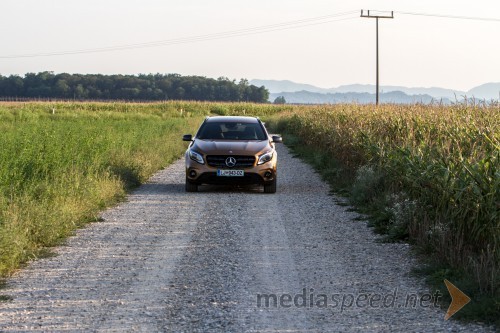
column 219, row 161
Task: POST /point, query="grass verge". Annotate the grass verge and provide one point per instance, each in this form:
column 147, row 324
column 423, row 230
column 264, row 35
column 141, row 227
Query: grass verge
column 60, row 164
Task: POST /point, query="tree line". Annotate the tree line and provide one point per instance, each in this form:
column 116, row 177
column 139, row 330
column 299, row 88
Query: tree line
column 130, row 87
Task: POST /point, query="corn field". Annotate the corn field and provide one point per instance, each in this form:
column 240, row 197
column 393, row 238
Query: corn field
column 443, row 158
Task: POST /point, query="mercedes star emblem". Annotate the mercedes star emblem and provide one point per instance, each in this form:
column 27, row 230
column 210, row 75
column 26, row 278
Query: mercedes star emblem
column 230, row 161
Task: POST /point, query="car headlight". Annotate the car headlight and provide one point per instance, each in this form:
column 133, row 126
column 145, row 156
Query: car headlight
column 264, row 158
column 196, row 157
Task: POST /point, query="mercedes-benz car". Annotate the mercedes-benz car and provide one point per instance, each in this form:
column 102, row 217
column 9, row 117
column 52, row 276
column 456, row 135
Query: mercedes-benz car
column 232, row 150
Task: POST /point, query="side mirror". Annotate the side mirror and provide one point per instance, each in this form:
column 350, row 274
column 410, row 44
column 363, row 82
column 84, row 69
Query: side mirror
column 277, row 139
column 187, row 137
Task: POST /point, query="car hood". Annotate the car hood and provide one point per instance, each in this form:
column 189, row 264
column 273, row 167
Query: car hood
column 230, row 147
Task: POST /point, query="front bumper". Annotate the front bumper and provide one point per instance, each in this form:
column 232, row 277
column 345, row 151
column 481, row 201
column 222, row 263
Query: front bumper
column 205, row 174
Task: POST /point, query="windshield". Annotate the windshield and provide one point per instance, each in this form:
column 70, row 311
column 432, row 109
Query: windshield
column 231, row 131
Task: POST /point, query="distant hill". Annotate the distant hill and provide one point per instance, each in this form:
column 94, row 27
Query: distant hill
column 486, row 91
column 435, row 92
column 276, row 87
column 307, row 97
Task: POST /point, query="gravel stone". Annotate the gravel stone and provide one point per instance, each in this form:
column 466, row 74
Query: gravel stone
column 170, row 261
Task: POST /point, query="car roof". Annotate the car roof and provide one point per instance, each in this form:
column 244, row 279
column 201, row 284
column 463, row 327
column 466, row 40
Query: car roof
column 235, row 119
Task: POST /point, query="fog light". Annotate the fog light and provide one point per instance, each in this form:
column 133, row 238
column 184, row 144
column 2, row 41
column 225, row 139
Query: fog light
column 268, row 174
column 192, row 173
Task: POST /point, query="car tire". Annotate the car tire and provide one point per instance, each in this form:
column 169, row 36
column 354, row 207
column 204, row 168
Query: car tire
column 191, row 187
column 271, row 187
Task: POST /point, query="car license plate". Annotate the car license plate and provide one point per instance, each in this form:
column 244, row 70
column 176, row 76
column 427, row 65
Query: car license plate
column 230, row 173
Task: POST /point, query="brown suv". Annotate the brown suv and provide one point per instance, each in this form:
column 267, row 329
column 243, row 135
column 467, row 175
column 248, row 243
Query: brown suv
column 231, row 150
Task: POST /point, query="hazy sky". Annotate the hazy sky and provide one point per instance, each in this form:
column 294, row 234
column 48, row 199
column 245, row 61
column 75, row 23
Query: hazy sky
column 415, row 50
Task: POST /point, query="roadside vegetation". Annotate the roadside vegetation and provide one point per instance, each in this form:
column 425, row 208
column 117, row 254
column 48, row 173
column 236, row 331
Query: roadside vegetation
column 62, row 163
column 429, row 175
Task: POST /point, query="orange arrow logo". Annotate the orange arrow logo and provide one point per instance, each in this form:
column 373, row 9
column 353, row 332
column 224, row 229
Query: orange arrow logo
column 458, row 299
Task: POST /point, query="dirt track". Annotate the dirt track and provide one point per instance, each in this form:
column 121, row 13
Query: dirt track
column 167, row 260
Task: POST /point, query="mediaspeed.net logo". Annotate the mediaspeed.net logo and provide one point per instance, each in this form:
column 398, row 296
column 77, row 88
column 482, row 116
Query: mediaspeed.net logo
column 310, row 298
column 458, row 299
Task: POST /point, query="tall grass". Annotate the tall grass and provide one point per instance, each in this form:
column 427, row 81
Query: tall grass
column 62, row 163
column 441, row 164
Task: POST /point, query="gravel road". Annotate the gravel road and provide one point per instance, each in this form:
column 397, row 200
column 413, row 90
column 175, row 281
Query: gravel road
column 170, row 261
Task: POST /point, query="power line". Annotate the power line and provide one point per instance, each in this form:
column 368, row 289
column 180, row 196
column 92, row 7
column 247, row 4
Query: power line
column 491, row 19
column 296, row 24
column 200, row 38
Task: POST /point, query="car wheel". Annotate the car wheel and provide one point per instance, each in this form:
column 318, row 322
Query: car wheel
column 271, row 187
column 191, row 187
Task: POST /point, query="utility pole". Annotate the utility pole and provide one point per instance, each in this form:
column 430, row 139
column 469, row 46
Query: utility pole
column 376, row 17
